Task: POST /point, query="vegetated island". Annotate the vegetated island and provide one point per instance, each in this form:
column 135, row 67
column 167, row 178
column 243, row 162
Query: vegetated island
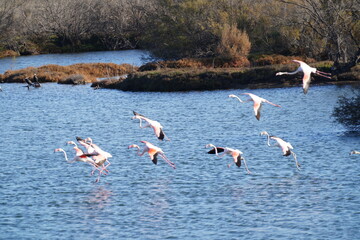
column 186, row 74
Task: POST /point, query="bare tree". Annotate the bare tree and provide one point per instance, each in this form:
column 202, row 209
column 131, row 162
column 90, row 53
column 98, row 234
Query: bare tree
column 335, row 21
column 8, row 16
column 69, row 20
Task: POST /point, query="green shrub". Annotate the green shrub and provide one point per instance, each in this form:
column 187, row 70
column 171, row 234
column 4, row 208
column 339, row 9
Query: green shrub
column 348, row 111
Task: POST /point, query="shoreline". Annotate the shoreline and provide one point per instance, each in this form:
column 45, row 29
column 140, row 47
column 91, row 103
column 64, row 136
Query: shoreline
column 167, row 79
column 172, row 80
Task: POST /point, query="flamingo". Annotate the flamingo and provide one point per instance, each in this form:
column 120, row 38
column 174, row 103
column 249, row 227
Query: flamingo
column 257, row 102
column 153, row 152
column 99, row 156
column 96, row 162
column 307, row 70
column 1, row 89
column 77, row 158
column 155, row 125
column 236, row 154
column 285, row 146
column 354, row 152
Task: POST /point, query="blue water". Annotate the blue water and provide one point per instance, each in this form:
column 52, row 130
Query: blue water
column 44, row 197
column 134, row 57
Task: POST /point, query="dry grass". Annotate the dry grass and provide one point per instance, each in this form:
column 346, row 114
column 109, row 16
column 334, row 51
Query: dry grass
column 198, row 63
column 56, row 73
column 264, row 60
column 8, row 53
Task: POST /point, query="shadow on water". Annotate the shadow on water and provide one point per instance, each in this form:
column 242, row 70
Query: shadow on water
column 98, row 198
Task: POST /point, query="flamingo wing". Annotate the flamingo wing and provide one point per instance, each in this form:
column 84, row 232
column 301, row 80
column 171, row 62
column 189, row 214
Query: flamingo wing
column 287, row 152
column 153, row 155
column 161, row 135
column 306, row 81
column 154, row 160
column 257, row 108
column 284, row 146
column 238, row 161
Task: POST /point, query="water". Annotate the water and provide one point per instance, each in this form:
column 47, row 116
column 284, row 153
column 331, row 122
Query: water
column 44, row 197
column 134, row 57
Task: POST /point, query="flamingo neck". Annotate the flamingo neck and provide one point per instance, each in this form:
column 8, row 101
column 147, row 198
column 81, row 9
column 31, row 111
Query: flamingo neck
column 65, row 155
column 290, row 73
column 138, row 150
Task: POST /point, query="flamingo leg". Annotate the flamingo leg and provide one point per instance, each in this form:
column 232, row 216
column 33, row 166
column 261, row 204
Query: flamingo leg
column 247, row 169
column 171, row 164
column 105, row 166
column 104, row 170
column 323, row 75
column 296, row 162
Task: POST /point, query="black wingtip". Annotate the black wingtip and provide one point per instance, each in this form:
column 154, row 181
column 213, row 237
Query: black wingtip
column 288, row 153
column 162, row 135
column 238, row 162
column 79, row 139
column 212, row 151
column 154, row 160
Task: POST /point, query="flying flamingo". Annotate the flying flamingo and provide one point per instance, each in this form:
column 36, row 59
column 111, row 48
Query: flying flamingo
column 354, row 152
column 78, row 158
column 99, row 156
column 307, row 70
column 285, row 146
column 153, row 152
column 257, row 102
column 155, row 125
column 236, row 154
column 79, row 153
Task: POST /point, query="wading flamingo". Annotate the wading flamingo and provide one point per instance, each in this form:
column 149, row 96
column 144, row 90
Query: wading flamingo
column 257, row 102
column 285, row 146
column 236, row 155
column 307, row 70
column 153, row 152
column 354, row 152
column 155, row 125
